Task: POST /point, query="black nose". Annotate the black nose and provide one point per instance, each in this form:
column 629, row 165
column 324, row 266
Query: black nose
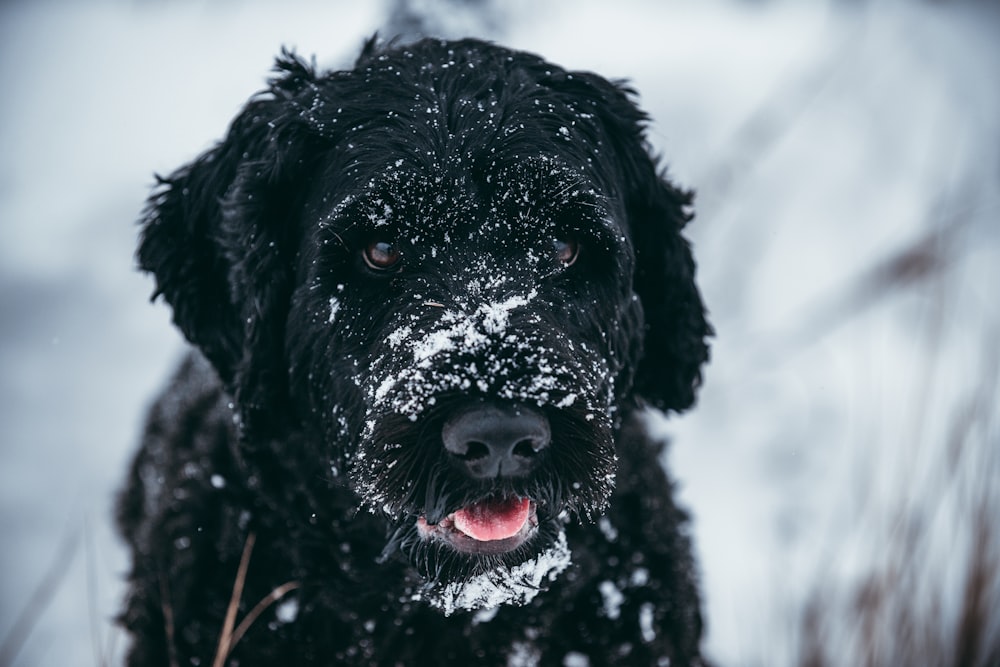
column 491, row 441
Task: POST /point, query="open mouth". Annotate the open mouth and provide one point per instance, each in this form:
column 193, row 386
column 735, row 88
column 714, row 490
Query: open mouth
column 490, row 526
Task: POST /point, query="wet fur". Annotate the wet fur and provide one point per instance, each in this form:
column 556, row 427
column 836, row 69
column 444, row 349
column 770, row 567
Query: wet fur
column 290, row 422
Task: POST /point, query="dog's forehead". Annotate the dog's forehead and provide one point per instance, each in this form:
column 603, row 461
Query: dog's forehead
column 521, row 200
column 447, row 111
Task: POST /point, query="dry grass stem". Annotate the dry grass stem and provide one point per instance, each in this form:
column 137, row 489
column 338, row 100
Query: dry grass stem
column 226, row 638
column 39, row 601
column 260, row 608
column 168, row 619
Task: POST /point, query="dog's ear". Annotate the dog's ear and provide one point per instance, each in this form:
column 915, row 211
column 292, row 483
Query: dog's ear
column 674, row 345
column 219, row 235
column 675, row 339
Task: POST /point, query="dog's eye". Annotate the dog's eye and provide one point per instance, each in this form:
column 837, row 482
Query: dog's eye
column 382, row 255
column 566, row 251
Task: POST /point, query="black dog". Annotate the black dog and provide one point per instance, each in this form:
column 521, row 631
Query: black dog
column 431, row 296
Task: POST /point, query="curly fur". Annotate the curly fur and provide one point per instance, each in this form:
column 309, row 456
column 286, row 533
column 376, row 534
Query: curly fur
column 310, row 414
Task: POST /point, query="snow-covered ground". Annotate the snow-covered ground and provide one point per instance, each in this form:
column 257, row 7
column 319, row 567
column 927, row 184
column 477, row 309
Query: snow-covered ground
column 847, row 159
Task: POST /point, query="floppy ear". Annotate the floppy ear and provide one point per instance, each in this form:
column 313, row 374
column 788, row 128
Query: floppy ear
column 674, row 345
column 219, row 235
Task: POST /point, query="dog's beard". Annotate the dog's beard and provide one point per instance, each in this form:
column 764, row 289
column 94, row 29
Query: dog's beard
column 454, row 581
column 500, row 584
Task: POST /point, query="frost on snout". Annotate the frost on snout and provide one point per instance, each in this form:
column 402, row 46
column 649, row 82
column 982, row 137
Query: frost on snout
column 480, row 353
column 503, row 350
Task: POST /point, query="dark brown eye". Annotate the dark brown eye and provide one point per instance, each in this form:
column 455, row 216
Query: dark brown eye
column 566, row 251
column 381, row 255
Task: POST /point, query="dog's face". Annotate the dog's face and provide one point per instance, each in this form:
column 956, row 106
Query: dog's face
column 452, row 269
column 484, row 318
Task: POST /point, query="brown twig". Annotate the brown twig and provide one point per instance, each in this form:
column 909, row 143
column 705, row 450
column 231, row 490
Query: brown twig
column 226, row 638
column 260, row 608
column 168, row 618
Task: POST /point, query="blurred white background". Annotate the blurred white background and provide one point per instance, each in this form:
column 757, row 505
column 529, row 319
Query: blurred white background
column 842, row 466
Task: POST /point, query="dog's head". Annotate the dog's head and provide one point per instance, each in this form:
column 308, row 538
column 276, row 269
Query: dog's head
column 452, row 268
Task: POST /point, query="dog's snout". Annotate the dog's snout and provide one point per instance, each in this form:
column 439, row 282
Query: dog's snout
column 489, row 441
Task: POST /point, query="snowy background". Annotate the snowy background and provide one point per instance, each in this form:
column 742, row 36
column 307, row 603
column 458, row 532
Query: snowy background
column 843, row 466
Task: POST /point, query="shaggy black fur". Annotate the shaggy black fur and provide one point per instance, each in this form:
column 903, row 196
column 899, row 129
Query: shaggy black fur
column 449, row 227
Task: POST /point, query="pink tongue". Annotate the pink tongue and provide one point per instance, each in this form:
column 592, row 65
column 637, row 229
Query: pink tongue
column 493, row 519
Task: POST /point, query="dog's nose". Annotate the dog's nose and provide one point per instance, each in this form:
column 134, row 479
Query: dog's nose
column 491, row 441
